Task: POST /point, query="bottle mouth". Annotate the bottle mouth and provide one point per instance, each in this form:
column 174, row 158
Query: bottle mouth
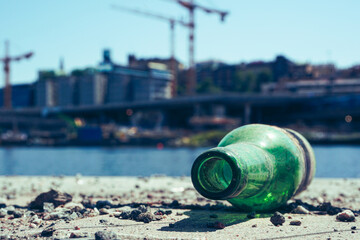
column 217, row 175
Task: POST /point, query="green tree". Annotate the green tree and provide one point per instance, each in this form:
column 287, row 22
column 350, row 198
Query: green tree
column 207, row 86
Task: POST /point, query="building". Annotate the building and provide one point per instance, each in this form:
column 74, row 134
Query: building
column 22, row 95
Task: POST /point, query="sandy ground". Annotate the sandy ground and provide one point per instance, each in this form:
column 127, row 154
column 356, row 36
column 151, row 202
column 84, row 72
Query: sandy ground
column 190, row 217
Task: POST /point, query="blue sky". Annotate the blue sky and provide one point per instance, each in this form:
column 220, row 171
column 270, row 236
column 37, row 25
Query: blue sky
column 77, row 30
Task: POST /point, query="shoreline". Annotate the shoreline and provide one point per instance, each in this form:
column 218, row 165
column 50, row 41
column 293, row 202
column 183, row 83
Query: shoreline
column 189, row 218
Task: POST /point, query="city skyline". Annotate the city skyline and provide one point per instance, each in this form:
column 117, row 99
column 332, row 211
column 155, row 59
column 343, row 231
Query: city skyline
column 318, row 32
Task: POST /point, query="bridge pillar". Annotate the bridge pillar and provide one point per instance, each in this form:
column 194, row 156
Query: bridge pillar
column 247, row 113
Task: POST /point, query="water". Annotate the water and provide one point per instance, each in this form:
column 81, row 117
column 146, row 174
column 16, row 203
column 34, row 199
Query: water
column 332, row 161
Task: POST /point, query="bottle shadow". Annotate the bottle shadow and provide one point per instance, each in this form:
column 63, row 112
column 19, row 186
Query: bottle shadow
column 204, row 220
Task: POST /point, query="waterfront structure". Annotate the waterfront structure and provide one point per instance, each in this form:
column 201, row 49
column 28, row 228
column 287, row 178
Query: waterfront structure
column 21, row 97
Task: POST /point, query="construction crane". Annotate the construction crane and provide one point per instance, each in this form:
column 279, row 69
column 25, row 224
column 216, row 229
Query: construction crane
column 172, row 23
column 191, row 7
column 7, row 60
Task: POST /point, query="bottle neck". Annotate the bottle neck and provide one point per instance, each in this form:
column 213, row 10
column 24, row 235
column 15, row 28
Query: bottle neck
column 216, row 174
column 237, row 170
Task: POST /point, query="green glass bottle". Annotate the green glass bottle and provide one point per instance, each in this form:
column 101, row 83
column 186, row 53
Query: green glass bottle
column 255, row 167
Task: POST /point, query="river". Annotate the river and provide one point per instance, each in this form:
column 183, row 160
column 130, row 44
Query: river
column 332, row 161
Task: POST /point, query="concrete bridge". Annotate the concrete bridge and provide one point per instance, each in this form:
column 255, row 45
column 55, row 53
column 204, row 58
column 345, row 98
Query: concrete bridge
column 275, row 108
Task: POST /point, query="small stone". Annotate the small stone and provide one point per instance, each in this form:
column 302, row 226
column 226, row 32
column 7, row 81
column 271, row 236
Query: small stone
column 103, row 221
column 75, row 207
column 105, row 235
column 159, row 212
column 10, row 210
column 3, row 213
column 295, row 223
column 277, row 219
column 213, row 216
column 143, row 209
column 251, row 215
column 75, row 235
column 134, row 214
column 125, row 215
column 77, row 228
column 254, row 226
column 145, row 217
column 103, row 204
column 353, row 227
column 300, row 210
column 346, row 216
column 17, row 214
column 53, row 196
column 104, row 211
column 47, row 232
column 116, row 214
column 32, row 225
column 168, row 212
column 179, row 214
column 352, row 231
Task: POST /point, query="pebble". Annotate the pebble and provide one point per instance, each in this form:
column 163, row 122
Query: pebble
column 3, row 212
column 32, row 225
column 105, row 235
column 117, row 214
column 346, row 216
column 254, row 226
column 300, row 210
column 103, row 204
column 277, row 219
column 104, row 211
column 17, row 214
column 353, row 227
column 295, row 223
column 10, row 209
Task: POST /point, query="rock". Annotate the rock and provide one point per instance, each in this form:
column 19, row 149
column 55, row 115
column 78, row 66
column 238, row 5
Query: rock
column 146, row 217
column 104, row 211
column 125, row 215
column 18, row 214
column 254, row 226
column 75, row 207
column 53, row 196
column 76, row 235
column 277, row 219
column 144, row 209
column 10, row 209
column 3, row 212
column 346, row 216
column 103, row 221
column 295, row 223
column 105, row 235
column 134, row 214
column 103, row 204
column 117, row 214
column 32, row 225
column 300, row 210
column 48, row 207
column 353, row 227
column 47, row 232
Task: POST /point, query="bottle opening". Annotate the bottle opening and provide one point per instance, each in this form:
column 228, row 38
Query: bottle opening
column 215, row 174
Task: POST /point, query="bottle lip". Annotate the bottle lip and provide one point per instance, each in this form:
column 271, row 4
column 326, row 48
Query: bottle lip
column 237, row 183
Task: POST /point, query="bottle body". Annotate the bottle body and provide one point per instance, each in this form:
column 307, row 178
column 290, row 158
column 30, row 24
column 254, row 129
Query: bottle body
column 255, row 167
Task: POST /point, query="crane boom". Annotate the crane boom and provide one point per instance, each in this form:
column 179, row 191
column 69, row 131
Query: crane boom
column 172, row 23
